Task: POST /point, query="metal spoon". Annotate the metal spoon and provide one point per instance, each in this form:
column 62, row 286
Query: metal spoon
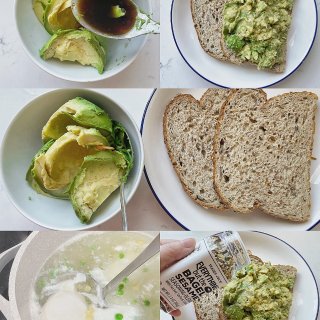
column 98, row 297
column 123, row 208
column 122, row 196
column 151, row 250
column 143, row 25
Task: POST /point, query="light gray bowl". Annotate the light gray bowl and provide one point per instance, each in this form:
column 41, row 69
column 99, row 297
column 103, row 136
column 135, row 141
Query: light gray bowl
column 23, row 139
column 120, row 53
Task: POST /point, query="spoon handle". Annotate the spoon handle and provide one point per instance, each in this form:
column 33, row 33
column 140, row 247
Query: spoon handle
column 152, row 249
column 123, row 208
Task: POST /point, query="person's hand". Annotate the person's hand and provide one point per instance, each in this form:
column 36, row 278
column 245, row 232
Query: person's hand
column 172, row 251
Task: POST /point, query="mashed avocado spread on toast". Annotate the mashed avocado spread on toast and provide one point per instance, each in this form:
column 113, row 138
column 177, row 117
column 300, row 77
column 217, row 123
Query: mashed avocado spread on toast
column 258, row 292
column 256, row 30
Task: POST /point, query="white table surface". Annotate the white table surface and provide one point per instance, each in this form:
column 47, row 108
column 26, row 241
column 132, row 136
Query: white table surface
column 18, row 71
column 175, row 73
column 299, row 240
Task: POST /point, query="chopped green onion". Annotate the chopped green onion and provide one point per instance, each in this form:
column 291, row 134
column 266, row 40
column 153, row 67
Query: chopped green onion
column 146, row 302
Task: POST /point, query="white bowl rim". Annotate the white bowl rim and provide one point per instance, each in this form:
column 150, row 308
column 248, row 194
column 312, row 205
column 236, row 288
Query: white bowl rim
column 85, row 226
column 265, row 86
column 107, row 73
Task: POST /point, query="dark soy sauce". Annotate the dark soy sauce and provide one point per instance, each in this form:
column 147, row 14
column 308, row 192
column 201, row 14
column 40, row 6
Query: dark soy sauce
column 97, row 13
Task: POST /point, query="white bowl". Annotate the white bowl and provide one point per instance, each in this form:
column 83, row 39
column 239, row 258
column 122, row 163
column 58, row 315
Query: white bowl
column 120, row 53
column 300, row 40
column 23, row 139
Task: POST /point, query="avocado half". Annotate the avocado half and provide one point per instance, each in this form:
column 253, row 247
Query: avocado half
column 58, row 162
column 100, row 175
column 36, row 183
column 39, row 8
column 64, row 45
column 58, row 15
column 78, row 111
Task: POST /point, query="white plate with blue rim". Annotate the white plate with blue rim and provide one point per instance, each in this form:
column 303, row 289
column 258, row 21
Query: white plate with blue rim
column 300, row 41
column 269, row 248
column 170, row 194
column 120, row 53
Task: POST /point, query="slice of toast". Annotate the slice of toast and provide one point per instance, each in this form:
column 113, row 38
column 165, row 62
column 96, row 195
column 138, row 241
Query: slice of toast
column 209, row 306
column 188, row 128
column 207, row 18
column 262, row 155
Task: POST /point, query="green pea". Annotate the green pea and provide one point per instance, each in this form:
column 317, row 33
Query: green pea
column 118, row 316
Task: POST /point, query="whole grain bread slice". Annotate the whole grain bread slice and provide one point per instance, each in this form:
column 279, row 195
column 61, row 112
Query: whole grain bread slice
column 209, row 306
column 262, row 155
column 188, row 128
column 207, row 18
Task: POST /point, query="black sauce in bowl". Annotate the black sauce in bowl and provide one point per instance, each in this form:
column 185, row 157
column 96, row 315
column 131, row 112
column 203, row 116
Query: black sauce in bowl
column 98, row 14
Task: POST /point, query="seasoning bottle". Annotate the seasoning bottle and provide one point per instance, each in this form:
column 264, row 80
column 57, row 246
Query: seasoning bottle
column 209, row 267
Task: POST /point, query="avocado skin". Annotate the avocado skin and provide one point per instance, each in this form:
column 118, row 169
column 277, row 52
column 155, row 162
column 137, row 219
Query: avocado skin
column 87, row 115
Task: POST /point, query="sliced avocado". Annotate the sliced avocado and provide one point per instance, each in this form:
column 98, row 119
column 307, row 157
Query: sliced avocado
column 57, row 168
column 39, row 8
column 117, row 12
column 36, row 183
column 99, row 176
column 88, row 137
column 80, row 46
column 58, row 16
column 78, row 111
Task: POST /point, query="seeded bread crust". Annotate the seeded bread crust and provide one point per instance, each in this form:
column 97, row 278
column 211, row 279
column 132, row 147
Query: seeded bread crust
column 207, row 18
column 188, row 128
column 268, row 150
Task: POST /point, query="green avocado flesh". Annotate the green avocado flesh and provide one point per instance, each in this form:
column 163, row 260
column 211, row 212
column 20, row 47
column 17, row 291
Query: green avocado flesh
column 77, row 111
column 85, row 157
column 34, row 180
column 100, row 175
column 258, row 292
column 257, row 30
column 80, row 46
column 39, row 7
column 58, row 16
column 117, row 12
column 57, row 167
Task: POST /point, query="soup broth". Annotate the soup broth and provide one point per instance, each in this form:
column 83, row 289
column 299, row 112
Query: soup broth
column 63, row 291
